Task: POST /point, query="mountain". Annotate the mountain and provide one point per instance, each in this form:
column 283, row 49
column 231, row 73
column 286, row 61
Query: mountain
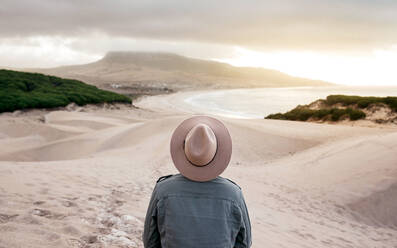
column 169, row 71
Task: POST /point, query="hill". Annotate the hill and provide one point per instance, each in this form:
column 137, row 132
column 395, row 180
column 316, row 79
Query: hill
column 23, row 90
column 342, row 107
column 159, row 72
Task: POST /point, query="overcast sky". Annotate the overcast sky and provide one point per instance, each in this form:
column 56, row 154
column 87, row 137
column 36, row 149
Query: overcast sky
column 44, row 33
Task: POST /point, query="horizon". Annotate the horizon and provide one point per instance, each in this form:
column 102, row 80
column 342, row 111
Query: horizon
column 350, row 42
column 231, row 63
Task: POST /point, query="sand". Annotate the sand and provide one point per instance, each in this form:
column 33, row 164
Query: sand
column 83, row 177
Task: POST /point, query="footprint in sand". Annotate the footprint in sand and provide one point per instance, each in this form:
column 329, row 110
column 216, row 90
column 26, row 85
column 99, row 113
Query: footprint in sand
column 90, row 239
column 30, row 220
column 44, row 191
column 7, row 228
column 69, row 204
column 75, row 243
column 4, row 218
column 47, row 214
column 71, row 230
column 52, row 237
column 91, row 198
column 119, row 202
column 83, row 242
column 38, row 202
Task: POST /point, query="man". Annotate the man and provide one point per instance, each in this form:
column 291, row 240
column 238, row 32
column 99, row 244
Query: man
column 198, row 208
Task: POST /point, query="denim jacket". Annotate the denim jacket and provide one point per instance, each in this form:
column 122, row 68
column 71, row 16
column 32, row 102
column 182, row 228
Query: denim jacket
column 187, row 214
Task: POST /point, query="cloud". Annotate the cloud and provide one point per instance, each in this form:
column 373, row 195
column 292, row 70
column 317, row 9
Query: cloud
column 51, row 51
column 256, row 24
column 39, row 51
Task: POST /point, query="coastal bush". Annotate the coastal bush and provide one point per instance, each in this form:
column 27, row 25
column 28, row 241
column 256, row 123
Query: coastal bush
column 23, row 90
column 392, row 102
column 336, row 113
column 297, row 114
column 361, row 101
column 278, row 116
column 303, row 113
column 356, row 114
column 321, row 113
column 330, row 111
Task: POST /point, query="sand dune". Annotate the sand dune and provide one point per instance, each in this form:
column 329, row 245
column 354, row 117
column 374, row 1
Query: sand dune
column 358, row 172
column 84, row 178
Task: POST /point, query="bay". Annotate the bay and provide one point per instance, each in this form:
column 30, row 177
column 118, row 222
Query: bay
column 260, row 102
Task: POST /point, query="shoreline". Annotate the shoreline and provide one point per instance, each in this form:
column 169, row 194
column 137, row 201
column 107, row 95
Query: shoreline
column 181, row 102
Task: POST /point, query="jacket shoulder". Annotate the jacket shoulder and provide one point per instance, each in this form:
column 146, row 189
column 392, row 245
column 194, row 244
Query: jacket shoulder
column 164, row 178
column 234, row 183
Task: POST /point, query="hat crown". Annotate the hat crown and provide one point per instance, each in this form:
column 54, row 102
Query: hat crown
column 200, row 145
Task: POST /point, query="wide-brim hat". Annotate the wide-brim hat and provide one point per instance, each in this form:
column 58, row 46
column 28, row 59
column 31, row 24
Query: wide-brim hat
column 223, row 148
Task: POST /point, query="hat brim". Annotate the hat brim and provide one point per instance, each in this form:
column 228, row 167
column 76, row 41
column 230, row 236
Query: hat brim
column 222, row 156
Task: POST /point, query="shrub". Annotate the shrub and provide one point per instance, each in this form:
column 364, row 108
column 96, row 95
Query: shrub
column 392, row 102
column 22, row 90
column 321, row 113
column 336, row 114
column 356, row 114
column 361, row 101
column 278, row 116
column 303, row 113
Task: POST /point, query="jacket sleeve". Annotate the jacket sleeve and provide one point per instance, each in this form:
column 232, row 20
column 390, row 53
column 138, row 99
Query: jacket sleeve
column 151, row 236
column 244, row 239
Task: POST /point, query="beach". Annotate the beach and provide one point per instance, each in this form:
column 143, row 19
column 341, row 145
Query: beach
column 82, row 177
column 256, row 103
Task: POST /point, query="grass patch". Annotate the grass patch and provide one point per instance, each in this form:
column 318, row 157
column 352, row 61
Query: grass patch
column 361, row 101
column 23, row 90
column 352, row 110
column 302, row 113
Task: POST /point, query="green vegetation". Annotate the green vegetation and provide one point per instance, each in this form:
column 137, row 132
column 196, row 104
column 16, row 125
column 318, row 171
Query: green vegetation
column 361, row 101
column 22, row 90
column 350, row 108
column 302, row 113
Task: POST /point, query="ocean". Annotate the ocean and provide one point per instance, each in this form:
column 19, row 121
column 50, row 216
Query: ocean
column 260, row 102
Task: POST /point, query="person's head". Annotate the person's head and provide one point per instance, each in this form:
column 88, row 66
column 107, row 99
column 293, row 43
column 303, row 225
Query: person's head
column 201, row 148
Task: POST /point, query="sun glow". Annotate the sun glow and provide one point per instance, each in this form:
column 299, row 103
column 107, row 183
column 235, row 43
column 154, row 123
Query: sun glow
column 377, row 68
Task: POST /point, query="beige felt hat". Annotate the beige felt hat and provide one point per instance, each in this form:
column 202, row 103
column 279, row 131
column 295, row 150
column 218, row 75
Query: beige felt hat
column 201, row 148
